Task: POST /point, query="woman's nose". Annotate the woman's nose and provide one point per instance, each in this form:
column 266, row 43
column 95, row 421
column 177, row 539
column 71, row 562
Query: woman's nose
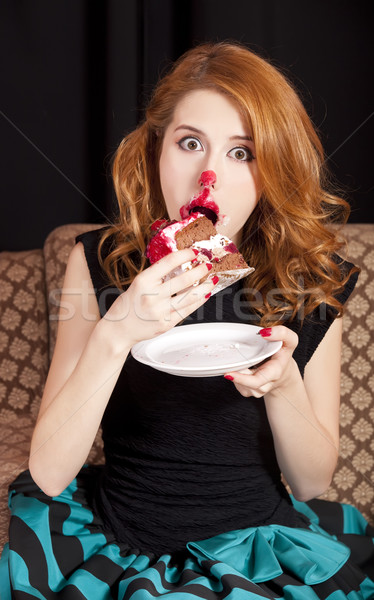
column 207, row 178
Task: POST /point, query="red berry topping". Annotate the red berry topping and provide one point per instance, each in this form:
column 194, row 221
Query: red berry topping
column 157, row 248
column 201, row 201
column 207, row 253
column 231, row 248
column 184, row 212
column 208, row 178
column 157, row 224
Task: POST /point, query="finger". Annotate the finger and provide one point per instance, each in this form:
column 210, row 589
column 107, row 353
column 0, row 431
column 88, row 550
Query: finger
column 243, row 382
column 280, row 333
column 185, row 304
column 253, row 393
column 193, row 296
column 171, row 261
column 254, row 380
column 247, row 385
column 187, row 279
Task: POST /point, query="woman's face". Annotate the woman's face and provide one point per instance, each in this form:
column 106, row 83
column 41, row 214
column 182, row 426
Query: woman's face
column 208, row 133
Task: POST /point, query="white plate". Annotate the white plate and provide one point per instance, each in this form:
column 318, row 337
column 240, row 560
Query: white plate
column 205, row 350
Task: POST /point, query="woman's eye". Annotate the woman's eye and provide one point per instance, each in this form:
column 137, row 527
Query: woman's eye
column 190, row 143
column 242, row 154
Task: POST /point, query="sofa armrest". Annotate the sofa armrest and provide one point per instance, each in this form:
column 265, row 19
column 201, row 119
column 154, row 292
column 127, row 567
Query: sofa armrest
column 23, row 359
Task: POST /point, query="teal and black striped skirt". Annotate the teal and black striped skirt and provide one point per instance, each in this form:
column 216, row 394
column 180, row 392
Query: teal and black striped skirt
column 58, row 548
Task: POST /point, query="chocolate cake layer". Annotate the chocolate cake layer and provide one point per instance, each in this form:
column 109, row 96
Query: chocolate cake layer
column 201, row 229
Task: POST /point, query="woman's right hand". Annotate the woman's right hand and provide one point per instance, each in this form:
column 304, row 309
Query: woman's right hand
column 151, row 306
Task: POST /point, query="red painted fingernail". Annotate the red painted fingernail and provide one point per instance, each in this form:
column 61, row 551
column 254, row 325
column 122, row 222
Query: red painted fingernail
column 266, row 332
column 209, row 266
column 195, row 251
column 229, row 377
column 194, row 260
column 208, row 296
column 215, row 280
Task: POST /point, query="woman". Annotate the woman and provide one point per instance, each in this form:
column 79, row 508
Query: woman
column 190, row 501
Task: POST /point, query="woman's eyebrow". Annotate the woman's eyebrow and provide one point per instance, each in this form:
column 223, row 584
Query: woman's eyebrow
column 246, row 138
column 190, row 128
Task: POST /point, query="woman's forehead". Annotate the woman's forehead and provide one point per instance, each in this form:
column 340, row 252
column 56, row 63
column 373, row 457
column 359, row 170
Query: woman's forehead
column 207, row 109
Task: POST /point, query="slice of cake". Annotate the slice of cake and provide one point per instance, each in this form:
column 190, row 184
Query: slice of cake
column 170, row 236
column 198, row 232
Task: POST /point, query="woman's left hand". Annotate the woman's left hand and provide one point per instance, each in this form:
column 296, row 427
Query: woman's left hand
column 273, row 373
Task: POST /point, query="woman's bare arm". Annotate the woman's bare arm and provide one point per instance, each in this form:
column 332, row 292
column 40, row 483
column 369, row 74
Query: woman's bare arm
column 303, row 414
column 304, row 417
column 81, row 378
column 90, row 353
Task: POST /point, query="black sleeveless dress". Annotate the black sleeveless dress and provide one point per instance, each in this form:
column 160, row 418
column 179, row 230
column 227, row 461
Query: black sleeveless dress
column 190, row 501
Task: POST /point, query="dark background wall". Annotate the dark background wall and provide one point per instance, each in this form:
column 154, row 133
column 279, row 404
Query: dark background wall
column 76, row 74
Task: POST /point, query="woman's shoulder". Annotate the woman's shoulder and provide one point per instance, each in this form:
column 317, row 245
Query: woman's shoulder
column 90, row 239
column 104, row 289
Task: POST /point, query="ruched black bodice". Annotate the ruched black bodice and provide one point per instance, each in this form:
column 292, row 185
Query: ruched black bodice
column 188, row 458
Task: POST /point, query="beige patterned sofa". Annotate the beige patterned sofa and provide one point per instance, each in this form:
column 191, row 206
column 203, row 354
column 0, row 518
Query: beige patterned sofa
column 29, row 284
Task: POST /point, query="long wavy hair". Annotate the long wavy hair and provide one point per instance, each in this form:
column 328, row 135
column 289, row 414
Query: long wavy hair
column 289, row 237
